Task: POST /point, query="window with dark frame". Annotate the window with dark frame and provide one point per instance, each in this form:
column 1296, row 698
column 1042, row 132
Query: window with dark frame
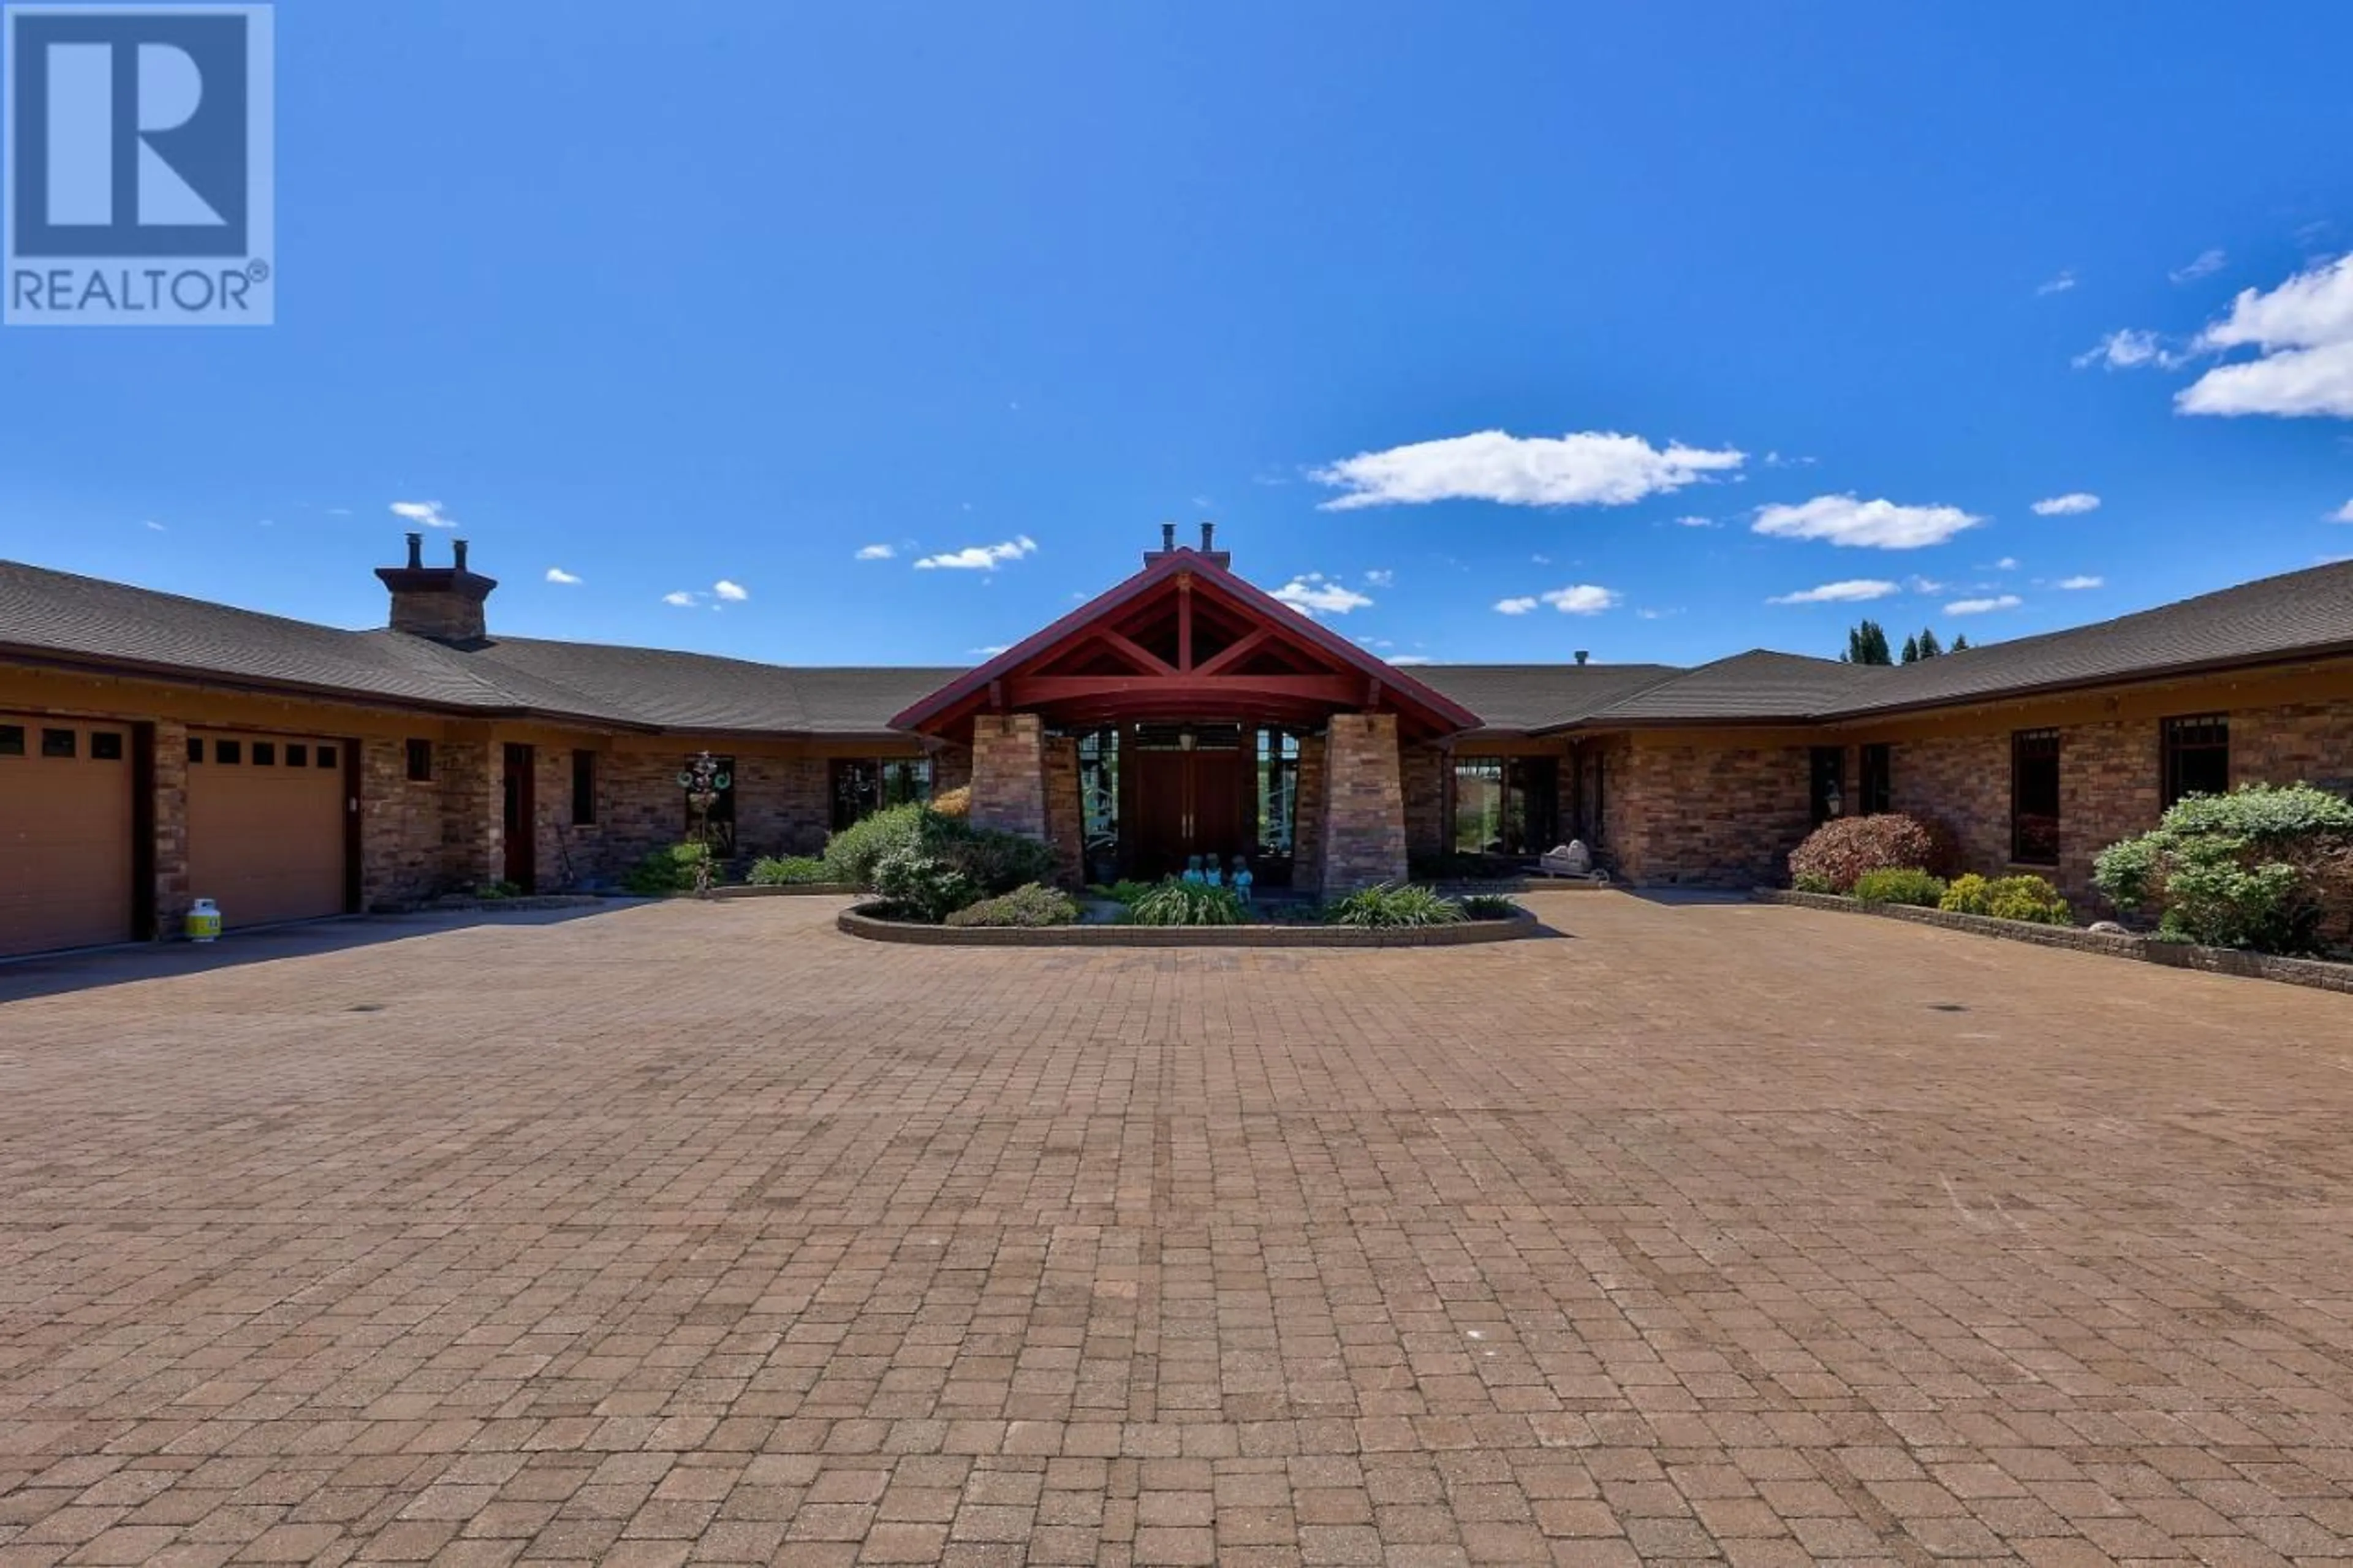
column 2197, row 756
column 864, row 785
column 196, row 749
column 298, row 757
column 105, row 746
column 265, row 753
column 61, row 743
column 229, row 754
column 1878, row 779
column 12, row 740
column 2034, row 798
column 420, row 762
column 584, row 788
column 324, row 757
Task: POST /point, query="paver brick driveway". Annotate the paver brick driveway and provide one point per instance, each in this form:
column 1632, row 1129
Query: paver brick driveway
column 705, row 1234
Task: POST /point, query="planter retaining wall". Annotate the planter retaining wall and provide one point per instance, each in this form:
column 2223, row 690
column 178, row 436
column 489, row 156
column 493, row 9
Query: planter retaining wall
column 856, row 923
column 2316, row 973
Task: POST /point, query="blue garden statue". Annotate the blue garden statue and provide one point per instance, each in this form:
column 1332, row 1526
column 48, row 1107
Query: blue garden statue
column 1193, row 869
column 1242, row 880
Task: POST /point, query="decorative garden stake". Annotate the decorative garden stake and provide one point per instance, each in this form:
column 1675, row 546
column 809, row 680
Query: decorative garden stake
column 704, row 781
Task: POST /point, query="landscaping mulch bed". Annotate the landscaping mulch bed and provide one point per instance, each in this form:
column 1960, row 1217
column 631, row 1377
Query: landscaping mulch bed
column 861, row 923
column 2318, row 973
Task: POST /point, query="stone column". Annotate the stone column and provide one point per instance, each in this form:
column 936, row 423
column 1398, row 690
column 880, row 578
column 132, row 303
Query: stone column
column 170, row 806
column 471, row 777
column 1066, row 828
column 1364, row 802
column 1009, row 773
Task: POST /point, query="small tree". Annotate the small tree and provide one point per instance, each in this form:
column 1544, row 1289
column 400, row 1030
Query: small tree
column 1960, row 644
column 1911, row 650
column 1867, row 644
column 1929, row 646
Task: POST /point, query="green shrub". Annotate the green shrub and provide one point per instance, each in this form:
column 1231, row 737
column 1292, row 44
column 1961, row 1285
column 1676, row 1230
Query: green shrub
column 996, row 862
column 1387, row 904
column 2265, row 868
column 1839, row 852
column 1491, row 907
column 1900, row 885
column 2027, row 899
column 850, row 853
column 1128, row 891
column 918, row 886
column 1176, row 903
column 666, row 871
column 786, row 870
column 1026, row 907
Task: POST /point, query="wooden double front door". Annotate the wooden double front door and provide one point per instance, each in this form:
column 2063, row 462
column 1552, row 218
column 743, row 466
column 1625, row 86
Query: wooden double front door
column 1183, row 803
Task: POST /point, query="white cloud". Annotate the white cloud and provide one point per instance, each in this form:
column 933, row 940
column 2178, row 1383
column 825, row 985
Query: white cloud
column 1696, row 523
column 682, row 599
column 2069, row 505
column 1925, row 585
column 2075, row 585
column 2342, row 513
column 1380, row 578
column 339, row 511
column 1587, row 469
column 558, row 574
column 733, row 592
column 1855, row 590
column 1412, row 658
column 159, row 527
column 1868, row 524
column 989, row 650
column 877, row 552
column 1519, row 607
column 2303, row 332
column 2129, row 348
column 2007, row 564
column 2208, row 263
column 979, row 557
column 1541, row 560
column 1980, row 606
column 1317, row 594
column 427, row 513
column 2058, row 285
column 1581, row 599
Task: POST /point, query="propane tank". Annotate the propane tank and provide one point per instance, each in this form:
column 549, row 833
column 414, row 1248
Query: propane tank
column 203, row 921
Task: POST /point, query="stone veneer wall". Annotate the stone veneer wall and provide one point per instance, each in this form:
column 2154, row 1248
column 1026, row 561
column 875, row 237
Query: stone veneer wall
column 2308, row 743
column 951, row 769
column 1706, row 816
column 783, row 804
column 404, row 859
column 1009, row 773
column 1364, row 802
column 1422, row 772
column 1307, row 819
column 469, row 777
column 1065, row 815
column 173, row 894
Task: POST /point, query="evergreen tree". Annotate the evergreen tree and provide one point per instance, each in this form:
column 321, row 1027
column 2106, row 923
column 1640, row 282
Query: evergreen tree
column 1929, row 646
column 1960, row 643
column 1911, row 650
column 1867, row 644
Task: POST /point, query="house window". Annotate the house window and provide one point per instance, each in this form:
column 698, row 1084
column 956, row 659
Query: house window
column 229, row 754
column 1878, row 779
column 864, row 785
column 2034, row 798
column 2197, row 756
column 420, row 762
column 265, row 753
column 106, row 746
column 1506, row 805
column 12, row 740
column 584, row 788
column 718, row 824
column 1278, row 792
column 61, row 743
column 1827, row 794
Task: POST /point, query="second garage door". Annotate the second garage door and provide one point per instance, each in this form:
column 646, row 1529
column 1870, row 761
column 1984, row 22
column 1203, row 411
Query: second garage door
column 64, row 833
column 266, row 825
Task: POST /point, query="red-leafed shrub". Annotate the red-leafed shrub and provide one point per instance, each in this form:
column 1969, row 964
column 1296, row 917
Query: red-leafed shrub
column 1837, row 854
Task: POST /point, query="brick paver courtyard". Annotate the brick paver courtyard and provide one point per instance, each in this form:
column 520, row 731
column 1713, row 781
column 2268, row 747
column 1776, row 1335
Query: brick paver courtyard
column 705, row 1234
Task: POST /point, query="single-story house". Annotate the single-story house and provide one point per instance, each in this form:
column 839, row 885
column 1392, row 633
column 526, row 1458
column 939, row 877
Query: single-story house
column 156, row 749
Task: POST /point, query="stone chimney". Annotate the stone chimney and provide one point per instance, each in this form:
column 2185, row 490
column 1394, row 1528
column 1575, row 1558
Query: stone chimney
column 1582, row 656
column 443, row 602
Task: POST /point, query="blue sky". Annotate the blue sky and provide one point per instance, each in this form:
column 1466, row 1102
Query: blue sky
column 669, row 296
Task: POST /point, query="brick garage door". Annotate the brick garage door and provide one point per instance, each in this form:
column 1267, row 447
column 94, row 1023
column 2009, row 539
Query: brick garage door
column 267, row 821
column 64, row 833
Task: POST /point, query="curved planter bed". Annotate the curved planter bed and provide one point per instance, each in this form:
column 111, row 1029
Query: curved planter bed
column 2315, row 973
column 859, row 923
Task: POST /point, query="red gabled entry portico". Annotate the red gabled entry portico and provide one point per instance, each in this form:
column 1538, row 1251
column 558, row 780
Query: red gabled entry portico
column 1185, row 713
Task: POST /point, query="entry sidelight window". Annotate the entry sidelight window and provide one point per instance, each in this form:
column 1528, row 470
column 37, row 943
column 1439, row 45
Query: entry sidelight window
column 864, row 785
column 1278, row 792
column 2034, row 798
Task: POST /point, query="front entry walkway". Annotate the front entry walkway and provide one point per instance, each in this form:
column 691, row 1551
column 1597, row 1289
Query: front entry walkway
column 1707, row 1231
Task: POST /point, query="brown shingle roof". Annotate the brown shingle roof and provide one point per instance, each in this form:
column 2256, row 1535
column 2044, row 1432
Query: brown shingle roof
column 1533, row 698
